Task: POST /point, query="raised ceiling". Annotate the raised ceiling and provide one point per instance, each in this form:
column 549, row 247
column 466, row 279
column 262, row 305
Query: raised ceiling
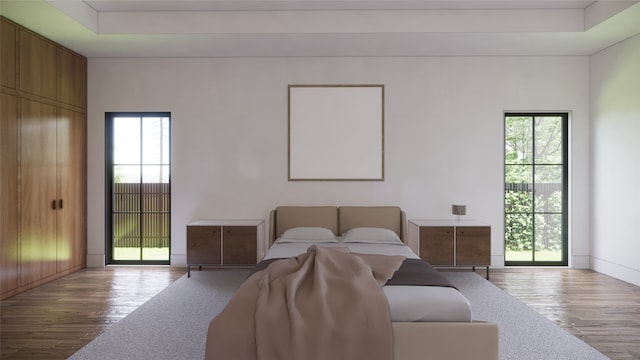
column 205, row 28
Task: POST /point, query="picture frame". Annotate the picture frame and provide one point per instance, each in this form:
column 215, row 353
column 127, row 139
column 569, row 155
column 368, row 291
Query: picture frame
column 336, row 132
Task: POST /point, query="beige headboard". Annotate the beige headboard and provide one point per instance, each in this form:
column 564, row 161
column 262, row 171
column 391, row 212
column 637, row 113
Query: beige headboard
column 337, row 219
column 287, row 217
column 388, row 217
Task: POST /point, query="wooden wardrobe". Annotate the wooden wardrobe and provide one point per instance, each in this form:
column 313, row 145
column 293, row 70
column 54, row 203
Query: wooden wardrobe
column 43, row 114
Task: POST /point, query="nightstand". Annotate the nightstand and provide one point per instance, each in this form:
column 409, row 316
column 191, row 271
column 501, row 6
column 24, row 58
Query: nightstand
column 452, row 243
column 223, row 243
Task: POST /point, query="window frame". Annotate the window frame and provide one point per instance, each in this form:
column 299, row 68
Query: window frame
column 565, row 189
column 109, row 165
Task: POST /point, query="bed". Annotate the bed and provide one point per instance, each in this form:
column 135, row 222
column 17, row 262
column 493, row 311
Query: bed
column 428, row 322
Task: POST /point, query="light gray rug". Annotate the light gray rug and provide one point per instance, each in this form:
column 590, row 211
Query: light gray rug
column 173, row 324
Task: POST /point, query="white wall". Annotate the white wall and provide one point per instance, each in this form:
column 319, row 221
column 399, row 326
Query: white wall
column 615, row 128
column 443, row 136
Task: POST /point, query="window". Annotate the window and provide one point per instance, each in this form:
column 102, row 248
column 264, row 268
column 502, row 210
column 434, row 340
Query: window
column 536, row 188
column 138, row 188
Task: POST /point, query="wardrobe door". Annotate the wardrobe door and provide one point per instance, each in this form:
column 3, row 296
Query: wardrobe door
column 37, row 59
column 38, row 205
column 8, row 54
column 72, row 78
column 71, row 219
column 8, row 193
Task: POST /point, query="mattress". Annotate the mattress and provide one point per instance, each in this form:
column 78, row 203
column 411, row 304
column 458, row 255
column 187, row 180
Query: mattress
column 406, row 303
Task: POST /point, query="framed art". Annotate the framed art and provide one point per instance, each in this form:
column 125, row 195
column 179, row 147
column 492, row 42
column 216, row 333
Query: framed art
column 336, row 132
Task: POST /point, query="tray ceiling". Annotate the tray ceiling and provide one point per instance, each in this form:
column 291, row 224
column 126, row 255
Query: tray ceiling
column 205, row 28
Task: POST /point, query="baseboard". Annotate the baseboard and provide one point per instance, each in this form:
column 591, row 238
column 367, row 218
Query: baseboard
column 96, row 260
column 580, row 262
column 617, row 271
column 497, row 261
column 179, row 260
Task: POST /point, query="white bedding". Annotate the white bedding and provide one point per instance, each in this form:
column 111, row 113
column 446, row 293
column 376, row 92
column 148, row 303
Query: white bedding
column 406, row 303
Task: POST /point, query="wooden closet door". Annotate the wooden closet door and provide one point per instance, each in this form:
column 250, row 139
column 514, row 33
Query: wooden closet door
column 8, row 193
column 8, row 54
column 37, row 190
column 72, row 78
column 37, row 59
column 71, row 219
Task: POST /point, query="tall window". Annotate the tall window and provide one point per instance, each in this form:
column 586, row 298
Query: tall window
column 536, row 188
column 138, row 188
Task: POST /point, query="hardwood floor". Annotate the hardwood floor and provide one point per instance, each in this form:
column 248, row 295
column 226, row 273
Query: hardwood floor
column 602, row 311
column 55, row 320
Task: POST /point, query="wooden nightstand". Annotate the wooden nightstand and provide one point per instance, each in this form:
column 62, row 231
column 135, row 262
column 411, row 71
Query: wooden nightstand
column 451, row 243
column 223, row 243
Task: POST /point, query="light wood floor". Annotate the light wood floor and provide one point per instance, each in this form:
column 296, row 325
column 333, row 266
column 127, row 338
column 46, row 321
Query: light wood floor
column 55, row 320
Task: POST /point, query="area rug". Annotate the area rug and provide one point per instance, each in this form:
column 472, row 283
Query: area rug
column 173, row 324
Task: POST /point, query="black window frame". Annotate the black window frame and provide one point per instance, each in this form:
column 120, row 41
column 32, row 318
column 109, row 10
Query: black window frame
column 565, row 189
column 109, row 116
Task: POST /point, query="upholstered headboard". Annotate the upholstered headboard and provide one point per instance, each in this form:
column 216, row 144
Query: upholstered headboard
column 388, row 217
column 338, row 220
column 287, row 217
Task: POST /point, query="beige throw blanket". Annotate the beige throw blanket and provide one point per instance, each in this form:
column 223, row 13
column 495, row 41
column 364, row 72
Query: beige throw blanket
column 324, row 304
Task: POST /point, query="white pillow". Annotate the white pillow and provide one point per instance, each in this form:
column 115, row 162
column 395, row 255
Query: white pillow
column 308, row 234
column 371, row 235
